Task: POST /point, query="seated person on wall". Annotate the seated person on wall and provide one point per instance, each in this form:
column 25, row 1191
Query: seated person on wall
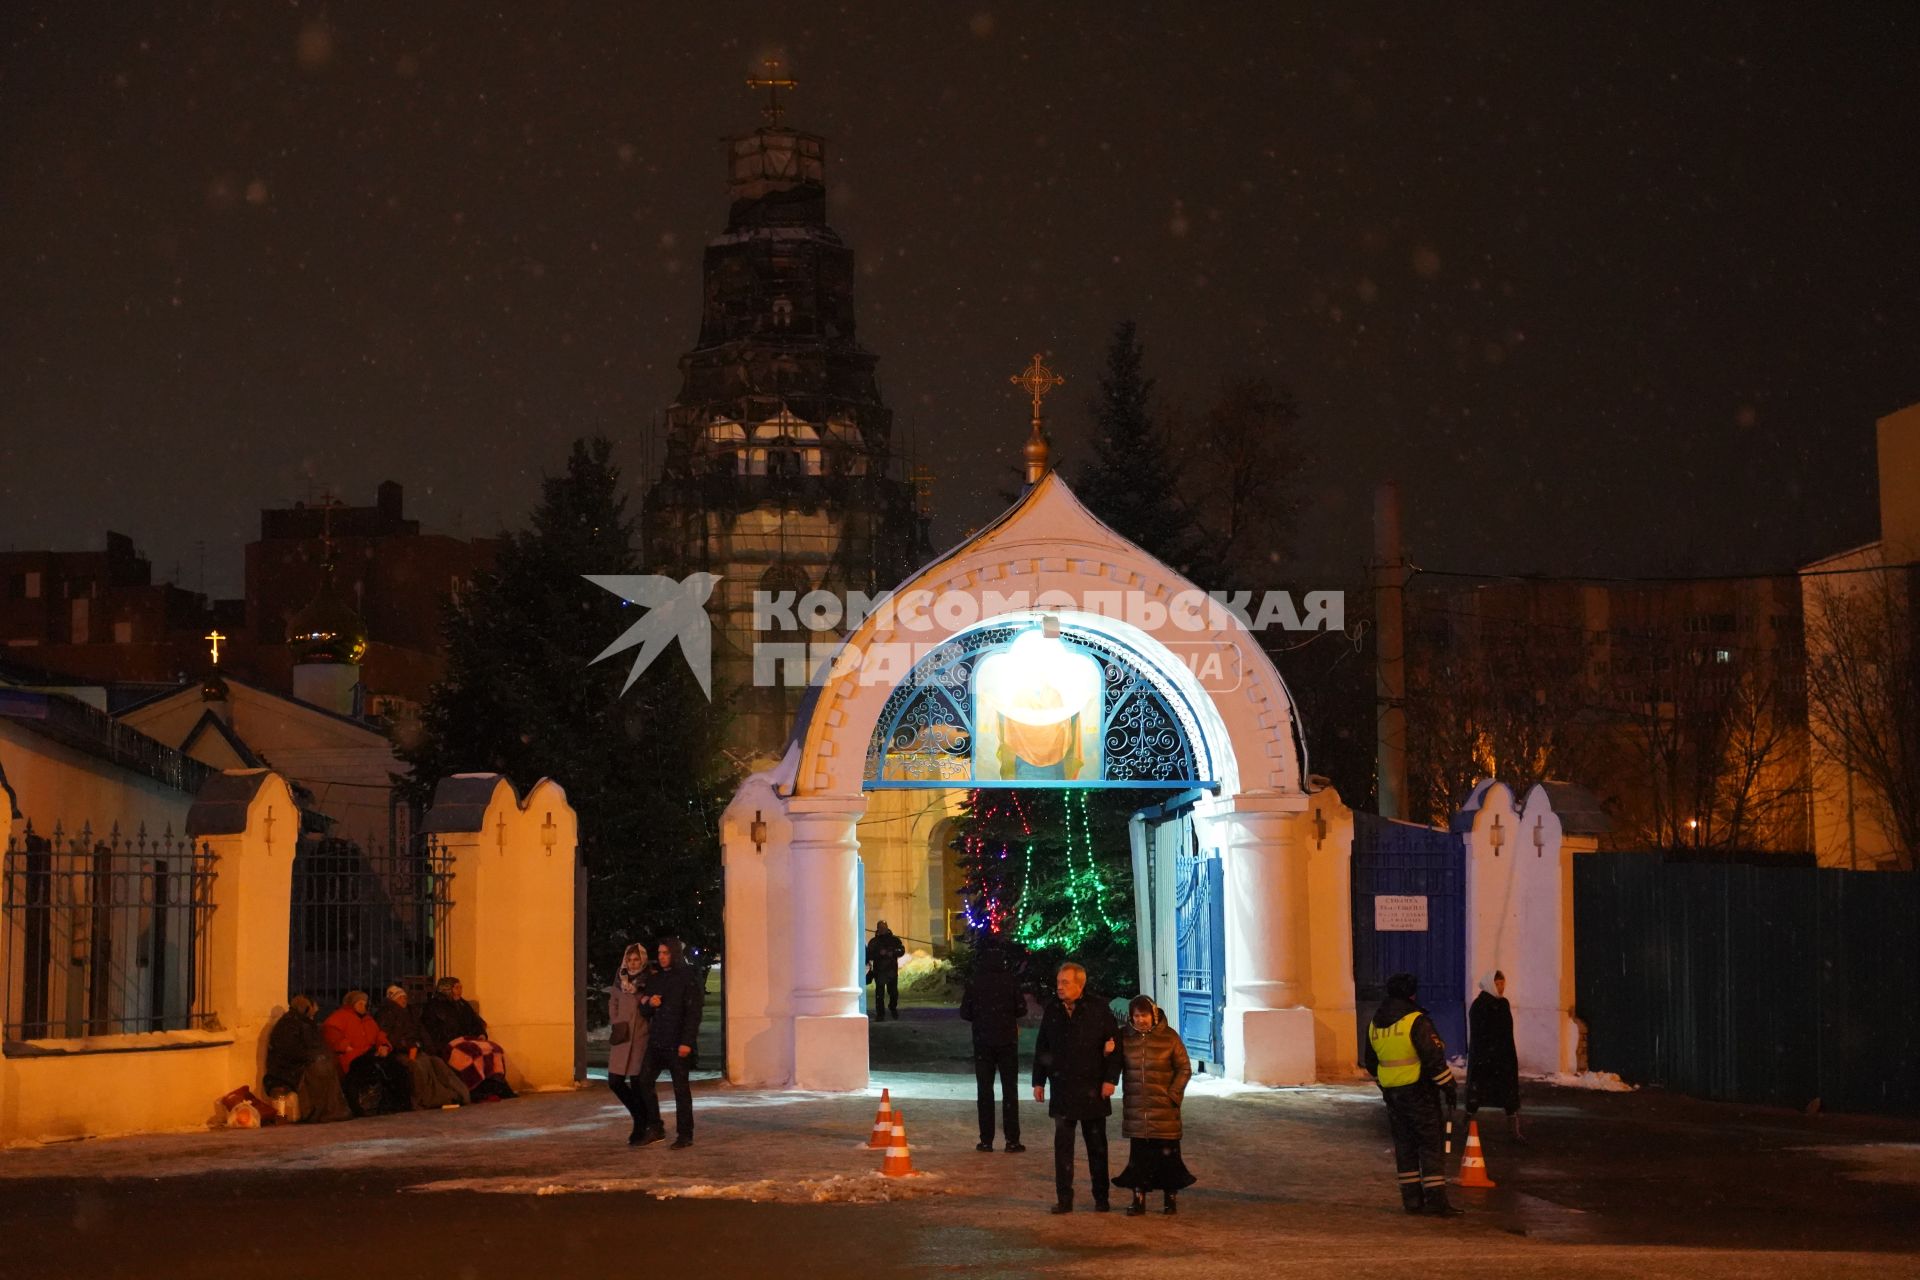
column 434, row 1083
column 375, row 1080
column 299, row 1062
column 456, row 1031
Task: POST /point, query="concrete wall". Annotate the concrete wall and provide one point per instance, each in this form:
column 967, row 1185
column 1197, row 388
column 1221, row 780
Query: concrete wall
column 1519, row 889
column 1326, row 832
column 511, row 927
column 93, row 1086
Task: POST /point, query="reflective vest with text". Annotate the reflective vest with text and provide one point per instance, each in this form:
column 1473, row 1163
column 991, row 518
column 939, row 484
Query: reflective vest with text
column 1399, row 1063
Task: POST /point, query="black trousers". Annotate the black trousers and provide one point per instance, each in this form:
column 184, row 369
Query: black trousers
column 886, row 993
column 1094, row 1132
column 1002, row 1060
column 669, row 1061
column 627, row 1089
column 1419, row 1130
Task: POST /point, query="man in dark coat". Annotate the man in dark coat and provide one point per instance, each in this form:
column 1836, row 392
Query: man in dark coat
column 1077, row 1054
column 1405, row 1056
column 677, row 993
column 993, row 1003
column 883, row 968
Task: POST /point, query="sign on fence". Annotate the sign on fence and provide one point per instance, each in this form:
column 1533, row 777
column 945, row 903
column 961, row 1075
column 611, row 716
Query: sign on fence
column 1400, row 913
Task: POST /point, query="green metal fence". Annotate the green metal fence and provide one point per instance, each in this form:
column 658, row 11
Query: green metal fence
column 1765, row 984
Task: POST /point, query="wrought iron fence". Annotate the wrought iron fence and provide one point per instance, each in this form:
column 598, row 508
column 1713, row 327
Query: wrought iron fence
column 106, row 935
column 365, row 915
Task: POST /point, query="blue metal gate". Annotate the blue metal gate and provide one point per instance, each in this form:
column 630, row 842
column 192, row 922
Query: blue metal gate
column 1424, row 872
column 1200, row 950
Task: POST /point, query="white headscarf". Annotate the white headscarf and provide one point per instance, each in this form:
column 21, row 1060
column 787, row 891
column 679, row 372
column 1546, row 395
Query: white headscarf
column 1486, row 982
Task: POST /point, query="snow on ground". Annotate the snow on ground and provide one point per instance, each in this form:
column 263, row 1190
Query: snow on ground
column 1599, row 1081
column 867, row 1188
column 1897, row 1162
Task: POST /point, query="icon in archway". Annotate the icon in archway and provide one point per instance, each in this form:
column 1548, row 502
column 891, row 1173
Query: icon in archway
column 1037, row 712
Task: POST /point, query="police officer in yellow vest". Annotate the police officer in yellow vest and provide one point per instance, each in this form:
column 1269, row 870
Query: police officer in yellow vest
column 1406, row 1058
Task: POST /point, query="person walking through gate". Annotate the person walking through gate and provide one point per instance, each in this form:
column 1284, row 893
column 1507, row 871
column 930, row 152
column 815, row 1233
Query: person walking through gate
column 1406, row 1057
column 1156, row 1072
column 883, row 970
column 993, row 1003
column 627, row 1010
column 1076, row 1054
column 1493, row 1064
column 676, row 994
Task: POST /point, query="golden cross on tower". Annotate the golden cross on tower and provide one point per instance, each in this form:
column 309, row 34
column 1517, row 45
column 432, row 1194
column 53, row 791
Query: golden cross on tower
column 215, row 636
column 1038, row 380
column 773, row 82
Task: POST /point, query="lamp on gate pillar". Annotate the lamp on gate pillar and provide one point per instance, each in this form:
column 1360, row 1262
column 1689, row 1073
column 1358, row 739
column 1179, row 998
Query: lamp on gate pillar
column 1539, row 836
column 549, row 833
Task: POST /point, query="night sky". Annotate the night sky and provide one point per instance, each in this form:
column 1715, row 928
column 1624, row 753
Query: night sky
column 1616, row 294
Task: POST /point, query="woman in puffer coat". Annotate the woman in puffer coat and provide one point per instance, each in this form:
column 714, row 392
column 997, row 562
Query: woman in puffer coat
column 1153, row 1083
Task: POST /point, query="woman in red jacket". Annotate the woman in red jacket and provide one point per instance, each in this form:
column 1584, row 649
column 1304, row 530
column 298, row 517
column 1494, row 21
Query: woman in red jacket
column 375, row 1081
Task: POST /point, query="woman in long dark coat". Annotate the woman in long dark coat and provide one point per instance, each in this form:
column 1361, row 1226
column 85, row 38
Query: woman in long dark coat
column 627, row 1041
column 1493, row 1064
column 434, row 1083
column 1154, row 1077
column 299, row 1062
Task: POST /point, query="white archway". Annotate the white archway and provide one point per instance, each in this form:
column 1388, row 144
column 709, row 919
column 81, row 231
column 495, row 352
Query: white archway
column 791, row 897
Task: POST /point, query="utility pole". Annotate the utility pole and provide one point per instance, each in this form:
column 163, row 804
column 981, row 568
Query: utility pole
column 1390, row 660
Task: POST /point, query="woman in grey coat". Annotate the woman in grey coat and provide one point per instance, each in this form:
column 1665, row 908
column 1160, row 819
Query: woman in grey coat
column 1153, row 1083
column 627, row 1038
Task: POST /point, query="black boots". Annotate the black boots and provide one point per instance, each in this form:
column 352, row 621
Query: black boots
column 1170, row 1206
column 1139, row 1205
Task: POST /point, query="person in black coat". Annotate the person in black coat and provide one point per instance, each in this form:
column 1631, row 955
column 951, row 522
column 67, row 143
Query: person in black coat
column 1493, row 1064
column 676, row 993
column 1077, row 1054
column 883, row 970
column 1407, row 1059
column 994, row 1004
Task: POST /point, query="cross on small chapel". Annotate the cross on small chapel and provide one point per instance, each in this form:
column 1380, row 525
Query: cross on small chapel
column 773, row 82
column 1037, row 379
column 215, row 636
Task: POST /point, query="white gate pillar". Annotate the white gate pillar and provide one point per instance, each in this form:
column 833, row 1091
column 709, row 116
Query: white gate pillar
column 1269, row 1019
column 829, row 1031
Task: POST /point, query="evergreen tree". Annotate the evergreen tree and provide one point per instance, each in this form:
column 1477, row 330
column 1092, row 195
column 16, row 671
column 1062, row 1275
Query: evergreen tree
column 1133, row 482
column 522, row 697
column 1052, row 873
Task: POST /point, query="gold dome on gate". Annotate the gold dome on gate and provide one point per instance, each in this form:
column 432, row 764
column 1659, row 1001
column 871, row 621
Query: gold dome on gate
column 327, row 630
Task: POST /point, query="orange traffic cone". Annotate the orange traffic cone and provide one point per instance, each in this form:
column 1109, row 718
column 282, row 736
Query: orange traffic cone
column 897, row 1164
column 882, row 1124
column 1473, row 1169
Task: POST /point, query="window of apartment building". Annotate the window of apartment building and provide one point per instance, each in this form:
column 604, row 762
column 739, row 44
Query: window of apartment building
column 24, row 586
column 79, row 620
column 122, row 632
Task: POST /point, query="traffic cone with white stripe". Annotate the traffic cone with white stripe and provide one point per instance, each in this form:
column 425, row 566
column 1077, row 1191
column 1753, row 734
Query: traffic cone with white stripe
column 1473, row 1167
column 882, row 1136
column 897, row 1164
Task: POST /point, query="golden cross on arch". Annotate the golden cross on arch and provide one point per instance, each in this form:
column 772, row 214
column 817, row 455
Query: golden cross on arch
column 1037, row 379
column 773, row 82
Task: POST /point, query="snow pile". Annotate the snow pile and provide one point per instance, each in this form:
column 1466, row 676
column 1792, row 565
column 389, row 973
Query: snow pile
column 1598, row 1081
column 921, row 972
column 867, row 1188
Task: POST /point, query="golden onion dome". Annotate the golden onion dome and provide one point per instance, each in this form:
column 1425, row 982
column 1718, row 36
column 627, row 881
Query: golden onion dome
column 327, row 630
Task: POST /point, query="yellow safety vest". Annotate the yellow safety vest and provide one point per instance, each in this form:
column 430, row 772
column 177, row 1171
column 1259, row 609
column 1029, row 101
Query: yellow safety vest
column 1399, row 1064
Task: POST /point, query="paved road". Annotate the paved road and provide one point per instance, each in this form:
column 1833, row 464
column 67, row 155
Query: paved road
column 1292, row 1183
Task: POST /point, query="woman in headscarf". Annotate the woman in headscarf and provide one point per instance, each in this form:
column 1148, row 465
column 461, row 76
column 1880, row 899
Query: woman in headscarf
column 456, row 1031
column 1493, row 1064
column 375, row 1080
column 1154, row 1079
column 627, row 1012
column 434, row 1083
column 299, row 1062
